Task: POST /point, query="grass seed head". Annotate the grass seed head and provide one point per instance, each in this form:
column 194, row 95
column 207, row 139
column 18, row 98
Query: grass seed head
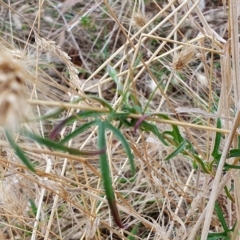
column 13, row 77
column 182, row 59
column 139, row 20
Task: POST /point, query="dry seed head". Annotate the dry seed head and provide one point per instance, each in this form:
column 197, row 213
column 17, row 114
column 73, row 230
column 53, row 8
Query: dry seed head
column 139, row 20
column 50, row 46
column 181, row 60
column 13, row 77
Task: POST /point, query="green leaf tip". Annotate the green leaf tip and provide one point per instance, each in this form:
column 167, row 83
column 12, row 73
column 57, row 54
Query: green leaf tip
column 19, row 152
column 125, row 144
column 106, row 177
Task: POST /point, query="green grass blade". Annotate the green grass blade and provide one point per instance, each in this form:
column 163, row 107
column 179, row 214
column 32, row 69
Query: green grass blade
column 106, row 177
column 124, row 142
column 58, row 146
column 234, row 153
column 119, row 116
column 230, row 166
column 71, row 119
column 145, row 126
column 175, row 133
column 202, row 164
column 221, row 217
column 218, row 236
column 177, row 151
column 78, row 131
column 102, row 101
column 19, row 152
column 229, row 194
column 113, row 74
column 122, row 118
column 33, row 206
column 217, row 140
column 133, row 232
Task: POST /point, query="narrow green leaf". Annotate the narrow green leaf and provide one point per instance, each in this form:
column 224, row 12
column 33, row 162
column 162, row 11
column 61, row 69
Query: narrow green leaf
column 218, row 236
column 113, row 74
column 19, row 152
column 33, row 206
column 106, row 177
column 121, row 117
column 78, row 131
column 201, row 163
column 234, row 153
column 102, row 101
column 132, row 109
column 217, row 157
column 170, row 133
column 233, row 227
column 221, row 217
column 137, row 109
column 164, row 116
column 133, row 232
column 195, row 165
column 58, row 146
column 124, row 142
column 217, row 140
column 145, row 126
column 177, row 151
column 229, row 195
column 175, row 133
column 126, row 180
column 190, row 147
column 230, row 166
column 177, row 138
column 71, row 119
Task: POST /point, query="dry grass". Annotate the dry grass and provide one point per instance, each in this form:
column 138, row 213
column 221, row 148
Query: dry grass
column 187, row 55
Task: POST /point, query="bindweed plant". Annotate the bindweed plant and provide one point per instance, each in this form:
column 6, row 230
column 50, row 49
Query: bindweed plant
column 150, row 81
column 135, row 118
column 114, row 121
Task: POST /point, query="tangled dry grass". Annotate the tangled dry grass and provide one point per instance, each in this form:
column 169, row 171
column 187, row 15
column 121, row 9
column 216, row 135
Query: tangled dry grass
column 178, row 58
